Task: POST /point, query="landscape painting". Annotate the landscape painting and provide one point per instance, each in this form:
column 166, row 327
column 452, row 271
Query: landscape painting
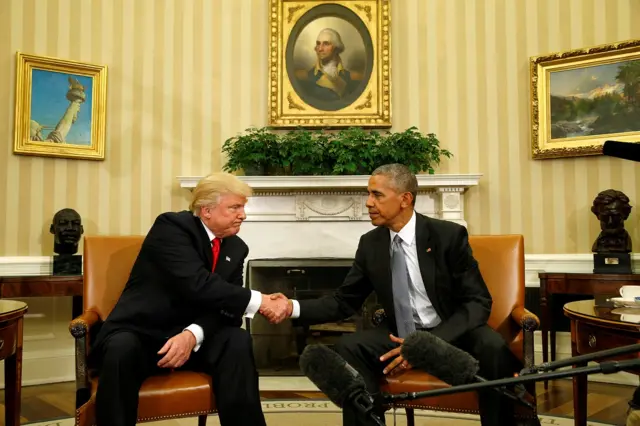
column 582, row 98
column 595, row 100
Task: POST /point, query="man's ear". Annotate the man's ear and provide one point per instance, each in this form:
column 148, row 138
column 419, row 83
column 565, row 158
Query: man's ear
column 407, row 199
column 51, row 229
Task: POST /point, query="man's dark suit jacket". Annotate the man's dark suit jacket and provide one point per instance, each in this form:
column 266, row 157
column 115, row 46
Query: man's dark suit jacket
column 449, row 271
column 171, row 284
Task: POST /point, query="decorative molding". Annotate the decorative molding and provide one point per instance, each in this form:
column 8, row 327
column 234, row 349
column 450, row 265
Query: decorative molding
column 569, row 263
column 17, row 266
column 295, row 183
column 11, row 266
column 342, row 198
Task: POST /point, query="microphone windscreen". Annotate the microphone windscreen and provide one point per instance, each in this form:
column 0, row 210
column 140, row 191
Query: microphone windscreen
column 330, row 373
column 433, row 355
column 624, row 150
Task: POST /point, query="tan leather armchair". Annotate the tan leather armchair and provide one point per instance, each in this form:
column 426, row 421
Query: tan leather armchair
column 107, row 264
column 501, row 261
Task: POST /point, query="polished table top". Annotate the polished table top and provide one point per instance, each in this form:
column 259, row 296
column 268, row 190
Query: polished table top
column 601, row 310
column 10, row 306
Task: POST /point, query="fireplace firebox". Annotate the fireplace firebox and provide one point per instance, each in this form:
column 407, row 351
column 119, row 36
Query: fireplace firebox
column 277, row 347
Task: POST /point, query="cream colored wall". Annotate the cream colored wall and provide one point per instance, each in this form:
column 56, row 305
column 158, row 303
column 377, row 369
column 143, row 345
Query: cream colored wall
column 186, row 74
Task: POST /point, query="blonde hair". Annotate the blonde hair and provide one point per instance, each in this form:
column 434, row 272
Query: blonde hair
column 210, row 188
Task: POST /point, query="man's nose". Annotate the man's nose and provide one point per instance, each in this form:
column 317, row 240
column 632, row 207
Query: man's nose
column 369, row 202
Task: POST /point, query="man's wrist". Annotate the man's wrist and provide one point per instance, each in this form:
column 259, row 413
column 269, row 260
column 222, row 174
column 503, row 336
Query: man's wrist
column 192, row 338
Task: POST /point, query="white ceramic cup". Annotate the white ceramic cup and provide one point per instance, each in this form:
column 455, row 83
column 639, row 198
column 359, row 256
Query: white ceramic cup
column 630, row 291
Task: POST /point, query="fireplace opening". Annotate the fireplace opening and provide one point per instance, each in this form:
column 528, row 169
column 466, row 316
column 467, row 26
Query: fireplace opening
column 277, row 347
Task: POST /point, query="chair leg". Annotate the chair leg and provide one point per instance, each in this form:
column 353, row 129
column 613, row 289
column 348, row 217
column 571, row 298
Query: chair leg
column 410, row 420
column 202, row 420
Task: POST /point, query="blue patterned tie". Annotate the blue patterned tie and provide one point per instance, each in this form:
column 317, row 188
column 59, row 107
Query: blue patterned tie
column 400, row 281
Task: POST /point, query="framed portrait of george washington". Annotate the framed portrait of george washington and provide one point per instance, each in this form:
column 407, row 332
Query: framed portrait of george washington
column 329, row 63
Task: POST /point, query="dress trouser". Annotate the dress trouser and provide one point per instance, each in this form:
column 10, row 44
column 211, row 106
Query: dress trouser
column 126, row 359
column 362, row 350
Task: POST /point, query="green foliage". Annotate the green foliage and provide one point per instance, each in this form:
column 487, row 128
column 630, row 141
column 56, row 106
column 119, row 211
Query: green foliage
column 351, row 151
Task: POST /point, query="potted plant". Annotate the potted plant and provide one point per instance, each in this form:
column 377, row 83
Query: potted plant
column 320, row 152
column 252, row 152
column 421, row 153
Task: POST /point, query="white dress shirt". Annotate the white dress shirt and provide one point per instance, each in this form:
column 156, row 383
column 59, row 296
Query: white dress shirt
column 252, row 307
column 424, row 314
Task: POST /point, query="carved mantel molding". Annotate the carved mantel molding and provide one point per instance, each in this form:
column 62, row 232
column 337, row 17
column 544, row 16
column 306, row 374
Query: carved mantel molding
column 342, row 198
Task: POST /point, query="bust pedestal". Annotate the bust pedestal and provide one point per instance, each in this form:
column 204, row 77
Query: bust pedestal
column 67, row 264
column 612, row 263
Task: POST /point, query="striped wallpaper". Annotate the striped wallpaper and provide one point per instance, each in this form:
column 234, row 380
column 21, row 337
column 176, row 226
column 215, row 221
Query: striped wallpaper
column 186, row 74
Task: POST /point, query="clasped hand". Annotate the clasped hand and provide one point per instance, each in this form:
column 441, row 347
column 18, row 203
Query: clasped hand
column 276, row 307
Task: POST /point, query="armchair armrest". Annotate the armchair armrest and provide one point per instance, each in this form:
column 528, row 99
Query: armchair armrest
column 80, row 328
column 527, row 320
column 529, row 323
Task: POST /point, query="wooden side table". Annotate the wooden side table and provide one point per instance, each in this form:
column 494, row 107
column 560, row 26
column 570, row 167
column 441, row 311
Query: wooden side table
column 45, row 286
column 11, row 322
column 566, row 283
column 596, row 325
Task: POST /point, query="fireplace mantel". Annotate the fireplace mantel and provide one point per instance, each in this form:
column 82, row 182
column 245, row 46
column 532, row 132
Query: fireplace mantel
column 342, row 198
column 288, row 183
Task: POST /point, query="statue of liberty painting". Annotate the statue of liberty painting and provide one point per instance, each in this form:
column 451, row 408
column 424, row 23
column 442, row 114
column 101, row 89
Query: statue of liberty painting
column 60, row 113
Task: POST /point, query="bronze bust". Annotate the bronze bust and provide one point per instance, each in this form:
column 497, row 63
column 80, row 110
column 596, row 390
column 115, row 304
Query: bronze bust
column 67, row 230
column 612, row 208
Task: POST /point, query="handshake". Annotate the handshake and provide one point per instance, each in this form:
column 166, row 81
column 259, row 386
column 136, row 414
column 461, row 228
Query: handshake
column 276, row 307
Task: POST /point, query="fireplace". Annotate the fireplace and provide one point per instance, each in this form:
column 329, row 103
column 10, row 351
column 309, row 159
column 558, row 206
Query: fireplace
column 277, row 347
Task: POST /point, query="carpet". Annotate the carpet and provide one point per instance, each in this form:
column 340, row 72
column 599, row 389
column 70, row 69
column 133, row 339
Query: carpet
column 324, row 413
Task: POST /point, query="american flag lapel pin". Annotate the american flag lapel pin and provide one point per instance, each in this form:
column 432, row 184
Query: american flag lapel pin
column 429, row 250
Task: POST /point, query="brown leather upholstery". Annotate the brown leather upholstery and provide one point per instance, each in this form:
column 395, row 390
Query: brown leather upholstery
column 501, row 261
column 107, row 263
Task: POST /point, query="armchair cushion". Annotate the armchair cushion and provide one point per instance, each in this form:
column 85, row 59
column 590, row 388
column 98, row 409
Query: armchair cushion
column 172, row 395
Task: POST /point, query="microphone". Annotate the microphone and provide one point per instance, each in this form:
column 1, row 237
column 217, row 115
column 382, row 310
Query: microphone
column 608, row 353
column 338, row 380
column 625, row 150
column 452, row 365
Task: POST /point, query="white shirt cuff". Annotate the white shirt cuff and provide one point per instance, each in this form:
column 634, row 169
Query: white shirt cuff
column 295, row 313
column 198, row 333
column 254, row 304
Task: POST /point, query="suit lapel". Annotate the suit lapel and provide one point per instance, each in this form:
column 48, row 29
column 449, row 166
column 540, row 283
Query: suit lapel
column 205, row 244
column 383, row 262
column 426, row 257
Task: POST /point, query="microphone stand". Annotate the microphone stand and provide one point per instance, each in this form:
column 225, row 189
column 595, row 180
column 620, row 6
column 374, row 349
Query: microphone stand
column 365, row 407
column 503, row 391
column 609, row 353
column 608, row 367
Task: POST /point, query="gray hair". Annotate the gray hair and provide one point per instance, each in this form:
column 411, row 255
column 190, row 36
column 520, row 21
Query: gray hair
column 401, row 177
column 335, row 38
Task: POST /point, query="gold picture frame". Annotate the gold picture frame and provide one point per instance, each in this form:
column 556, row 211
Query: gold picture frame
column 314, row 84
column 583, row 97
column 60, row 108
